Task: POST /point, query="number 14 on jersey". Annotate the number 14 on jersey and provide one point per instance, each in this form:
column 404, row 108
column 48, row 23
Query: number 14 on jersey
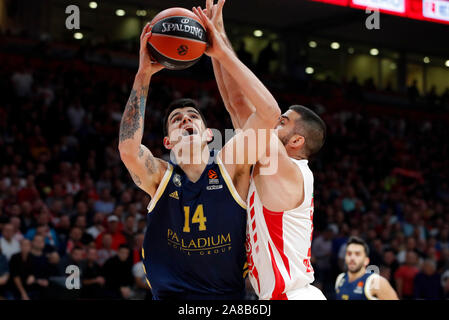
column 198, row 217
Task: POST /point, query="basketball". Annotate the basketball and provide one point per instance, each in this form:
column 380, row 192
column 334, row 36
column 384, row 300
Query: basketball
column 178, row 38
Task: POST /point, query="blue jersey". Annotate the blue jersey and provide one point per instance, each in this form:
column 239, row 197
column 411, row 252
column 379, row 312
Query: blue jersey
column 358, row 289
column 194, row 245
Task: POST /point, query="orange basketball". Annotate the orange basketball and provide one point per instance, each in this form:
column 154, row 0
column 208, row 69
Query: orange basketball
column 178, row 38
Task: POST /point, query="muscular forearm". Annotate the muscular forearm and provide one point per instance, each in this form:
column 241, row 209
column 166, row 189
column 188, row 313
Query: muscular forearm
column 235, row 102
column 131, row 125
column 251, row 87
column 239, row 103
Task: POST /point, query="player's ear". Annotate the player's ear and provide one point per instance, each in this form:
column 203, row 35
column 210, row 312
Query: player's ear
column 297, row 141
column 167, row 143
column 209, row 135
column 366, row 261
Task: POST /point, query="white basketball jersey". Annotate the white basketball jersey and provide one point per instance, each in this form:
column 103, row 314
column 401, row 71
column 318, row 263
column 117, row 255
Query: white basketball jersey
column 278, row 244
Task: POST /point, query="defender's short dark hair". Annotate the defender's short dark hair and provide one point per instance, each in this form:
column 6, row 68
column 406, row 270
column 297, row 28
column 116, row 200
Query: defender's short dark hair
column 180, row 103
column 360, row 241
column 312, row 127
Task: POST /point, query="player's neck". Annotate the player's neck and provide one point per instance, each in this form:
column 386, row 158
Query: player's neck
column 294, row 155
column 195, row 167
column 354, row 276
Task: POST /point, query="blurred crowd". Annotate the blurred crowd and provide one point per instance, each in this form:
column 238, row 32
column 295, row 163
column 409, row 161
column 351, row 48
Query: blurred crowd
column 67, row 200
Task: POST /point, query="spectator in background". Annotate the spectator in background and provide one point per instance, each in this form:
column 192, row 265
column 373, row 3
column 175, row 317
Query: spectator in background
column 97, row 226
column 443, row 239
column 106, row 203
column 405, row 276
column 106, row 252
column 390, row 261
column 114, row 230
column 443, row 262
column 141, row 289
column 445, row 284
column 50, row 235
column 128, row 230
column 40, row 269
column 74, row 240
column 16, row 223
column 412, row 91
column 321, row 251
column 63, row 228
column 4, row 275
column 21, row 272
column 22, row 81
column 74, row 257
column 57, row 194
column 76, row 114
column 82, row 209
column 267, row 55
column 376, row 252
column 409, row 246
column 119, row 287
column 92, row 277
column 81, row 223
column 8, row 245
column 141, row 225
column 427, row 284
column 136, row 253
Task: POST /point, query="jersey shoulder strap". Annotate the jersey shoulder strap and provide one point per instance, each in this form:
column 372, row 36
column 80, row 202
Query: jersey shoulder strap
column 371, row 282
column 161, row 188
column 339, row 280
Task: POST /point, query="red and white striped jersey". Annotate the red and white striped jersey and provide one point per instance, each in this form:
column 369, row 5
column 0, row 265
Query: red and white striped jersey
column 278, row 244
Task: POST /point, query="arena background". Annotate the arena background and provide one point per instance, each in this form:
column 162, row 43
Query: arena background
column 382, row 175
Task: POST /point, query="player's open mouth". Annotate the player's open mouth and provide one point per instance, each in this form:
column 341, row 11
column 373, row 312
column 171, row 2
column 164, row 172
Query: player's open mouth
column 189, row 131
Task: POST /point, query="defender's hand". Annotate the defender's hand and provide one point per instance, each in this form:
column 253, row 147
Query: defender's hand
column 215, row 13
column 217, row 46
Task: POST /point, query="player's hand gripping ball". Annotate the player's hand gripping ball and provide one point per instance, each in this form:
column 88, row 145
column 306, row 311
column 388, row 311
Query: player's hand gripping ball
column 178, row 38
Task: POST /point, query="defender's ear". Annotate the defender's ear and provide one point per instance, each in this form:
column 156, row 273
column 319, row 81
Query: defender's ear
column 297, row 141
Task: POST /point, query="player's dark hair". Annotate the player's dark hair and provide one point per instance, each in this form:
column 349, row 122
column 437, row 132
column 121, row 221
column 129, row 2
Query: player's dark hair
column 311, row 127
column 360, row 241
column 180, row 103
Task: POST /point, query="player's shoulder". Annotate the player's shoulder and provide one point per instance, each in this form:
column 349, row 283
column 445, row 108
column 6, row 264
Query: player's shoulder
column 339, row 279
column 373, row 283
column 163, row 167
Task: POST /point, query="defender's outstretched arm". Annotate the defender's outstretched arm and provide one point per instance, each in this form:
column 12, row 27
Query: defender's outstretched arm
column 235, row 102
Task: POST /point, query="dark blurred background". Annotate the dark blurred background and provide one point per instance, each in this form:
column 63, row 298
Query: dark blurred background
column 66, row 199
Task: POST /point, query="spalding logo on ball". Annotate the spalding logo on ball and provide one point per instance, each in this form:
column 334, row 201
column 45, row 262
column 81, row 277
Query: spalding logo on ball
column 178, row 38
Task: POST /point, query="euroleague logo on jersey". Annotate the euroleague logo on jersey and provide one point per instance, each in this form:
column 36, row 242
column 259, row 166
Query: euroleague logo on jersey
column 212, row 174
column 213, row 177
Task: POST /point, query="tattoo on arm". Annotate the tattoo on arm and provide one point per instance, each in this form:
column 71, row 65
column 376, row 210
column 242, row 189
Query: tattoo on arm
column 150, row 164
column 135, row 178
column 133, row 114
column 140, row 155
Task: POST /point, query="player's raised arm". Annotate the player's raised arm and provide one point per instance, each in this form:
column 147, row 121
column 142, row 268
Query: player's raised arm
column 236, row 103
column 146, row 170
column 265, row 105
column 251, row 144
